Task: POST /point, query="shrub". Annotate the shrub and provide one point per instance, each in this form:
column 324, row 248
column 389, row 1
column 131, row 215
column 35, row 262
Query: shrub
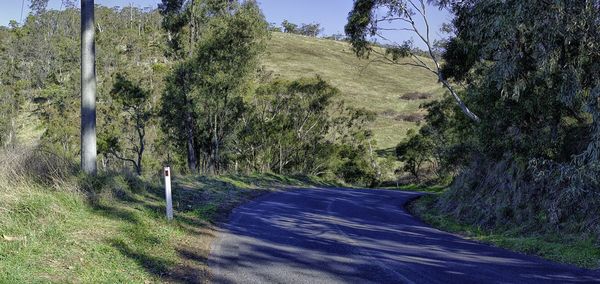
column 410, row 117
column 416, row 96
column 389, row 113
column 35, row 164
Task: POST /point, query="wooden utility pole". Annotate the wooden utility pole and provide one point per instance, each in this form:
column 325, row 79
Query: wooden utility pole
column 88, row 88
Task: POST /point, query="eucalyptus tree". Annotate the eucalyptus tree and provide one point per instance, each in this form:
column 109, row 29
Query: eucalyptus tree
column 533, row 66
column 364, row 22
column 175, row 18
column 10, row 99
column 312, row 30
column 533, row 69
column 38, row 6
column 289, row 27
column 228, row 58
column 177, row 14
column 182, row 19
column 302, row 127
column 134, row 113
column 286, row 126
column 203, row 95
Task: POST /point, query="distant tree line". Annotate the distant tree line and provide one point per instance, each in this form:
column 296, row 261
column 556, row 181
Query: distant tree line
column 312, row 30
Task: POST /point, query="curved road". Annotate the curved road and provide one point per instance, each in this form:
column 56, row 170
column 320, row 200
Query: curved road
column 361, row 236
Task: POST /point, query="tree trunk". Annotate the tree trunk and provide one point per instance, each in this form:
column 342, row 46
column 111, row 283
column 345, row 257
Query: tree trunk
column 88, row 88
column 215, row 158
column 130, row 15
column 11, row 132
column 103, row 162
column 280, row 158
column 191, row 150
column 192, row 157
column 375, row 165
column 460, row 103
column 192, row 27
column 140, row 154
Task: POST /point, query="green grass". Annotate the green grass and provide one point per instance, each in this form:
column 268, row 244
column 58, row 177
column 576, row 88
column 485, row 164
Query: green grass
column 561, row 248
column 376, row 86
column 119, row 237
column 112, row 229
column 417, row 187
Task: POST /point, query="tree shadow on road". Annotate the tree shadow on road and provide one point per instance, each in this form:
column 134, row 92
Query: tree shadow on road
column 362, row 236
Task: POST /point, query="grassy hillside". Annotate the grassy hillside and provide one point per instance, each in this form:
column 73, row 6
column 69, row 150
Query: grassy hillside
column 376, row 86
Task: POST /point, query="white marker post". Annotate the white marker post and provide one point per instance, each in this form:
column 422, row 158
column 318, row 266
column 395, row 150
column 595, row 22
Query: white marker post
column 168, row 193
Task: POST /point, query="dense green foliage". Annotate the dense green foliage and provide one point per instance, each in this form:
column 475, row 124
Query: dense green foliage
column 183, row 86
column 415, row 152
column 531, row 71
column 297, row 127
column 40, row 76
column 536, row 88
column 211, row 83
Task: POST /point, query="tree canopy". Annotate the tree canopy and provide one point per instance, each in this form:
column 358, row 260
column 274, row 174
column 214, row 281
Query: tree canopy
column 531, row 70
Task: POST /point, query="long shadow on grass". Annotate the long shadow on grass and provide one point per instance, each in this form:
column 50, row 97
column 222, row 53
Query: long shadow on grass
column 134, row 201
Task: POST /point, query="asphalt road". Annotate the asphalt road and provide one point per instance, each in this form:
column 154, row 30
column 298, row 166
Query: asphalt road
column 361, row 236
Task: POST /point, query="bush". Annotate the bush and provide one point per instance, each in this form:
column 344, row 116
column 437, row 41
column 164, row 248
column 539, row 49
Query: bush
column 540, row 196
column 35, row 167
column 389, row 113
column 411, row 117
column 415, row 151
column 416, row 96
column 35, row 164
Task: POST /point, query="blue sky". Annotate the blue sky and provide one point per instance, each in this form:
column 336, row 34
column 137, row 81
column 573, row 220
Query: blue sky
column 331, row 14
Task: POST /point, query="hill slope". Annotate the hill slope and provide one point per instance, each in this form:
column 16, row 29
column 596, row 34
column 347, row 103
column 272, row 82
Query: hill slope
column 376, row 86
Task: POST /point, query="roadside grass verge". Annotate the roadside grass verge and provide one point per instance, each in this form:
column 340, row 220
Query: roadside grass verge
column 417, row 188
column 212, row 198
column 567, row 249
column 111, row 228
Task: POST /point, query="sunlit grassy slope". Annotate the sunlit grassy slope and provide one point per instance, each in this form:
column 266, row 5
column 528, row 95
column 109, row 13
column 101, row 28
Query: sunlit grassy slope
column 111, row 228
column 376, row 86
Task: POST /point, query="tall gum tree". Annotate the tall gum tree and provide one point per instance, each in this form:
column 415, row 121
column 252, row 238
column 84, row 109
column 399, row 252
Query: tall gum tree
column 177, row 15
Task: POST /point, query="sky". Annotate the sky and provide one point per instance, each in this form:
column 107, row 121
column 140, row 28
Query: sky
column 331, row 14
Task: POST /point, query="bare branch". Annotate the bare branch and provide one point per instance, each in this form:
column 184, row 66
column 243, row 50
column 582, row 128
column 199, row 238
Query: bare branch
column 384, row 19
column 427, row 41
column 396, row 29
